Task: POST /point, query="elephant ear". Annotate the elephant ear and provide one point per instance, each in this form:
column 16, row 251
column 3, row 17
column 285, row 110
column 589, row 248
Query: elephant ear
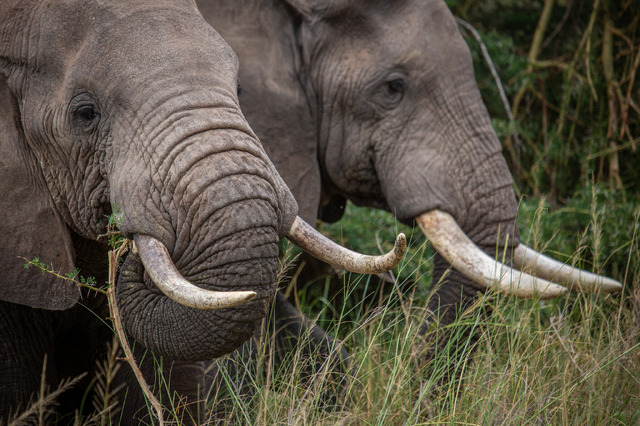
column 29, row 225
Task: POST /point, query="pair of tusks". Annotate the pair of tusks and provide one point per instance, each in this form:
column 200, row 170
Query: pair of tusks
column 167, row 278
column 552, row 278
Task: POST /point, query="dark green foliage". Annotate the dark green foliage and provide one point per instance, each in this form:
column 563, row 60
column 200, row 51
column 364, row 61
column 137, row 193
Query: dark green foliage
column 577, row 116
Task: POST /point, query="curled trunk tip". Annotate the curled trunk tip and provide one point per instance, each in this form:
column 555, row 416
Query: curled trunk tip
column 313, row 242
column 167, row 278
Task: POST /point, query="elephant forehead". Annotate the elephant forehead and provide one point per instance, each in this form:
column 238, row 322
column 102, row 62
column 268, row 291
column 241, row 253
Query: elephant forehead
column 162, row 36
column 125, row 41
column 152, row 46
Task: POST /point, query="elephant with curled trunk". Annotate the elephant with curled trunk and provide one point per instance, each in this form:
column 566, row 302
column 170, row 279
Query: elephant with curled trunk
column 131, row 103
column 376, row 102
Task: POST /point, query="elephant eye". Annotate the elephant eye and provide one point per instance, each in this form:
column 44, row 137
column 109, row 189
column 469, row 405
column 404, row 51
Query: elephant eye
column 86, row 113
column 395, row 87
column 393, row 91
column 387, row 91
column 86, row 116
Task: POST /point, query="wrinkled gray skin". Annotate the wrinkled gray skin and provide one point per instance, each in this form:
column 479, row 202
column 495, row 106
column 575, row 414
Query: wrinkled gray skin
column 131, row 102
column 374, row 102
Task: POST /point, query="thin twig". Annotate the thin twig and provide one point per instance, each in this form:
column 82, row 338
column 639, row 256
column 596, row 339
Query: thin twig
column 496, row 78
column 109, row 234
column 562, row 66
column 534, row 50
column 613, row 103
column 556, row 31
column 628, row 101
column 584, row 47
column 48, row 269
column 114, row 255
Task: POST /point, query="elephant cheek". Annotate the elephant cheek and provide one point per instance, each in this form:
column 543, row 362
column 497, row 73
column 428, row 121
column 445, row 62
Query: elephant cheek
column 178, row 332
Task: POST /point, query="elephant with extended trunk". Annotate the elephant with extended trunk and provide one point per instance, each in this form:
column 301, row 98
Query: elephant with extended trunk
column 131, row 103
column 376, row 102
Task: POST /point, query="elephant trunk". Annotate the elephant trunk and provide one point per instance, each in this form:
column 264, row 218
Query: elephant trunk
column 220, row 215
column 473, row 251
column 184, row 333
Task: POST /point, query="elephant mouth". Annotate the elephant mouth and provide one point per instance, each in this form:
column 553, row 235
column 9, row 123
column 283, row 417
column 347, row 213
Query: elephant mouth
column 549, row 278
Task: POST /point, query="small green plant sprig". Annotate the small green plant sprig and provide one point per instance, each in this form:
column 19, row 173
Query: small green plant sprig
column 115, row 238
column 73, row 277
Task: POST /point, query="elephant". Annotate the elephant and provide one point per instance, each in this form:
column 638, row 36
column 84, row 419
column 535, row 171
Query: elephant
column 129, row 109
column 376, row 102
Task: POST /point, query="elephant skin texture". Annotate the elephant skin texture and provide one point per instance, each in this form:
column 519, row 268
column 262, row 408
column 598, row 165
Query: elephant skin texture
column 375, row 102
column 126, row 107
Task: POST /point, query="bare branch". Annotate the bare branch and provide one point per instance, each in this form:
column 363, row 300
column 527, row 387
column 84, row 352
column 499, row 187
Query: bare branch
column 114, row 255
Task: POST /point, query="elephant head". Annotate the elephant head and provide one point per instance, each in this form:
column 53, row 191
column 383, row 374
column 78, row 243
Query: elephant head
column 377, row 100
column 134, row 104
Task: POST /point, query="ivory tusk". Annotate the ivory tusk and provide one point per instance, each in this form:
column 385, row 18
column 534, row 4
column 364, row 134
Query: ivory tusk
column 525, row 258
column 454, row 245
column 313, row 242
column 167, row 278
